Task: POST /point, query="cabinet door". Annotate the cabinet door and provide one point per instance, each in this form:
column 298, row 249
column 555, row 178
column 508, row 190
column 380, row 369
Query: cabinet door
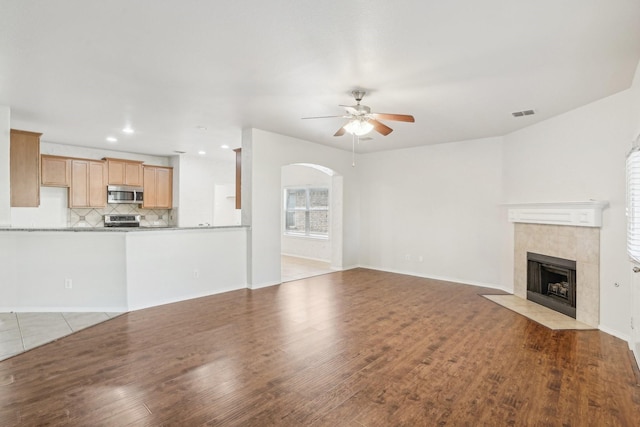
column 116, row 172
column 164, row 188
column 24, row 165
column 88, row 184
column 149, row 187
column 56, row 171
column 97, row 185
column 133, row 174
column 79, row 190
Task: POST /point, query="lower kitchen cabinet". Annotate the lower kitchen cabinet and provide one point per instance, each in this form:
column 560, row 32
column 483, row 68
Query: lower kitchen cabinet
column 88, row 184
column 158, row 187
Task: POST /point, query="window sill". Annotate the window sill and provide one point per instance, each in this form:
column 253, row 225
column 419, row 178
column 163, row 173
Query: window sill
column 305, row 236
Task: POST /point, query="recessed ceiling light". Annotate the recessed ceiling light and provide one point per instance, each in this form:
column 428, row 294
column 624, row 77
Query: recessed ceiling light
column 112, row 139
column 202, row 152
column 225, row 146
column 127, row 130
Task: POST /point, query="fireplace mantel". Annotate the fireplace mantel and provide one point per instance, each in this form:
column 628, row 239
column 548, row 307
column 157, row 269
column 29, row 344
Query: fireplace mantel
column 581, row 214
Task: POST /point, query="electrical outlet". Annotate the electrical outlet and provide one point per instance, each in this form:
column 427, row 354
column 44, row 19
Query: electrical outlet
column 68, row 283
column 196, row 274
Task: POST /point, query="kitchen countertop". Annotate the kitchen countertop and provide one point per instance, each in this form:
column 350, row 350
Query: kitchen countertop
column 120, row 229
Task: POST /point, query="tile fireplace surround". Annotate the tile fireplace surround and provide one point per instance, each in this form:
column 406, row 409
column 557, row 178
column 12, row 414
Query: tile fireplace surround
column 578, row 243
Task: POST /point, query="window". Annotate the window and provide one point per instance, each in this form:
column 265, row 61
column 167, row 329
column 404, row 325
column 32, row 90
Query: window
column 307, row 212
column 633, row 204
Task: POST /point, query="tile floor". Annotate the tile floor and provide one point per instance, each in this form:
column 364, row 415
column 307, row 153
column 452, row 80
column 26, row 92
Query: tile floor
column 23, row 331
column 294, row 268
column 538, row 313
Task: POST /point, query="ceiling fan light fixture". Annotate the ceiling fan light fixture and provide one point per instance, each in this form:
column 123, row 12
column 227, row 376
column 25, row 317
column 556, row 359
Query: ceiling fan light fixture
column 358, row 127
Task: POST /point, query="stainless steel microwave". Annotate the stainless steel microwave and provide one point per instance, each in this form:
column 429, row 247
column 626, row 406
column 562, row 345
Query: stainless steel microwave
column 124, row 194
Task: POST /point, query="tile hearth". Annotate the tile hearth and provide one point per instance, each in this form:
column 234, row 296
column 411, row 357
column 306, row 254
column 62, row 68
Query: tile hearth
column 581, row 244
column 543, row 315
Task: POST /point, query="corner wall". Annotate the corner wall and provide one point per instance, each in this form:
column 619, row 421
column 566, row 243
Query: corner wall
column 580, row 155
column 5, row 189
column 263, row 155
column 434, row 211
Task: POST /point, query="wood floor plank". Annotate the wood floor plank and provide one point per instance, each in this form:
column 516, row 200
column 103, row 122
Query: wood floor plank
column 354, row 348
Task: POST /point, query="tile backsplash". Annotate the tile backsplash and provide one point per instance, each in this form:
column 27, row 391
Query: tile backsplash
column 94, row 217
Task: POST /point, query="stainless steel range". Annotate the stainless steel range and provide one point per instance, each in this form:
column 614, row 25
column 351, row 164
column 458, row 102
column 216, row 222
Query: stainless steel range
column 119, row 220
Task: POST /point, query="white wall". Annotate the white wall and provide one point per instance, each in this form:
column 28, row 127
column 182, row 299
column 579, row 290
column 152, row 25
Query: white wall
column 196, row 192
column 35, row 265
column 53, row 211
column 580, row 155
column 434, row 211
column 117, row 271
column 263, row 155
column 166, row 266
column 313, row 248
column 5, row 188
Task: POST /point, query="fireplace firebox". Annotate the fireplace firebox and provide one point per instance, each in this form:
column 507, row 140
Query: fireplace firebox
column 551, row 282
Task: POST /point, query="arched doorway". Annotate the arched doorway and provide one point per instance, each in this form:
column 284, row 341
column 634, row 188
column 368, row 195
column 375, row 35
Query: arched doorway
column 311, row 225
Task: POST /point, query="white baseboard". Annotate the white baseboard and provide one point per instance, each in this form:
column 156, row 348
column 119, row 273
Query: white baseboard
column 34, row 309
column 306, row 257
column 443, row 278
column 172, row 300
column 262, row 285
column 615, row 333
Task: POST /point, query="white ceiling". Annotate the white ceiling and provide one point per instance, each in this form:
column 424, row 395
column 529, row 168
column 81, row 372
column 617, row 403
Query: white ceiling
column 80, row 70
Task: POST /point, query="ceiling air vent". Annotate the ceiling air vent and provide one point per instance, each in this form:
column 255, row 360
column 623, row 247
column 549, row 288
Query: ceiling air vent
column 523, row 113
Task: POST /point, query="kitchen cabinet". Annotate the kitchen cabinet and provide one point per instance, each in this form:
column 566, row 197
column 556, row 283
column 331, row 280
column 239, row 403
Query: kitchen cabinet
column 124, row 172
column 88, row 184
column 158, row 187
column 24, row 161
column 55, row 171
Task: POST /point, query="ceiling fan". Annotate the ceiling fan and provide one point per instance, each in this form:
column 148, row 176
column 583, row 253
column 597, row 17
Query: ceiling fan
column 362, row 120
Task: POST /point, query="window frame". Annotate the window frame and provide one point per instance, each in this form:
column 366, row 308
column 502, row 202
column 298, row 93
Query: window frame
column 307, row 211
column 633, row 203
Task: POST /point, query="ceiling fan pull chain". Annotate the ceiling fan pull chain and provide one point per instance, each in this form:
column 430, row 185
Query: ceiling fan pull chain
column 353, row 149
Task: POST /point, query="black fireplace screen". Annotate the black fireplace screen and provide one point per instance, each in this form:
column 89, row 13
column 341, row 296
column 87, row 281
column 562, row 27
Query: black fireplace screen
column 551, row 282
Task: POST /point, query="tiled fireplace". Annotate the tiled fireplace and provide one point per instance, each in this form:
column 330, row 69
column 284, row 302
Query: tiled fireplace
column 569, row 232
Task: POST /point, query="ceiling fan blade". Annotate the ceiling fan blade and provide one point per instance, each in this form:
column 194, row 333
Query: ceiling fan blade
column 326, row 117
column 396, row 117
column 340, row 132
column 380, row 127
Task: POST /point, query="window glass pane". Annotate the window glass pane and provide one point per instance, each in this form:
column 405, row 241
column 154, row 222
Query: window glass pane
column 296, row 199
column 318, row 197
column 319, row 222
column 296, row 221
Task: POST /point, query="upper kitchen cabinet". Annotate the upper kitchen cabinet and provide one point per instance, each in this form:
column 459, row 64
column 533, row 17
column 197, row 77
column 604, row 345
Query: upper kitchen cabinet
column 158, row 187
column 124, row 172
column 55, row 171
column 25, row 168
column 88, row 184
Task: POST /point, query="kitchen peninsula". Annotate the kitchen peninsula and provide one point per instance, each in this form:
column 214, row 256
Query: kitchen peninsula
column 121, row 269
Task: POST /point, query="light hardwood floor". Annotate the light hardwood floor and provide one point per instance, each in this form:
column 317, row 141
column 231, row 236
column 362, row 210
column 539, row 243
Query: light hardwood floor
column 352, row 348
